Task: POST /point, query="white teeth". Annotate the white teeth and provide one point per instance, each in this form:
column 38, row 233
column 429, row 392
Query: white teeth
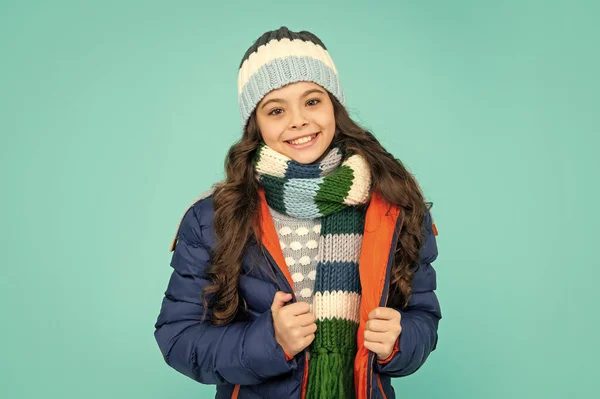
column 303, row 140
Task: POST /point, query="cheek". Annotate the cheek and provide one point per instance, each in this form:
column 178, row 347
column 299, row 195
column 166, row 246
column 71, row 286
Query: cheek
column 269, row 131
column 327, row 119
column 328, row 127
column 268, row 136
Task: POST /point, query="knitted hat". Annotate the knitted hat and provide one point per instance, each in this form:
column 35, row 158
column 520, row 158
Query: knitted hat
column 281, row 57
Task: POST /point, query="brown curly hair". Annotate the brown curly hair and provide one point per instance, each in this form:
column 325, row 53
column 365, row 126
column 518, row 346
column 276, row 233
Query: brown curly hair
column 237, row 215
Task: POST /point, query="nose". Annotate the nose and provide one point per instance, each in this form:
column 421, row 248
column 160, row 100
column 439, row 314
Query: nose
column 297, row 125
column 298, row 120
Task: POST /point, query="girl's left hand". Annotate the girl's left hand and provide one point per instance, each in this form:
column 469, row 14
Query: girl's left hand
column 382, row 331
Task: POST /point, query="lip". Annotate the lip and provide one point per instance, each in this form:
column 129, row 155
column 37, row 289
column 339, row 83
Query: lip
column 305, row 145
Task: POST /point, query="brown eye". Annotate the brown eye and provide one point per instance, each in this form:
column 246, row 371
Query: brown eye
column 273, row 111
column 314, row 99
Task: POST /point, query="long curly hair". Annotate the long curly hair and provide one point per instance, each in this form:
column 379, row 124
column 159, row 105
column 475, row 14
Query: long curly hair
column 237, row 214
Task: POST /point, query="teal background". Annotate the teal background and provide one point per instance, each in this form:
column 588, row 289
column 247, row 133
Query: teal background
column 115, row 115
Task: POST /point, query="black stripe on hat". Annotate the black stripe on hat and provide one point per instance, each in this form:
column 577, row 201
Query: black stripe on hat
column 281, row 33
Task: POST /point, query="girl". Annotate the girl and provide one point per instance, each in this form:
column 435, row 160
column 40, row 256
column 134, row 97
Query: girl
column 307, row 272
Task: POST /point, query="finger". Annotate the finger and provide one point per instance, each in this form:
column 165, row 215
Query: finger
column 375, row 337
column 308, row 330
column 383, row 313
column 377, row 325
column 375, row 347
column 305, row 319
column 308, row 340
column 298, row 308
column 280, row 299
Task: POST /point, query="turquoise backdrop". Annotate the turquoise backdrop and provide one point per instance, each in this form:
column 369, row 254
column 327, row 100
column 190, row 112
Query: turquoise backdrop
column 115, row 115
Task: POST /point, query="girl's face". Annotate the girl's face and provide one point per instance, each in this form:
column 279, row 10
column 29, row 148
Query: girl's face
column 297, row 121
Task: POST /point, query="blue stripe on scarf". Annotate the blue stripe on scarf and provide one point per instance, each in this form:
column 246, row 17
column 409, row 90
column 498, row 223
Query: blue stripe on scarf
column 337, row 276
column 300, row 202
column 296, row 170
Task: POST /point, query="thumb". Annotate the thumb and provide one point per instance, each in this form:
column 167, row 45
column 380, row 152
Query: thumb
column 280, row 299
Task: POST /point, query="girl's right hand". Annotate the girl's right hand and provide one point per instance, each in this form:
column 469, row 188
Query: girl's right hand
column 295, row 326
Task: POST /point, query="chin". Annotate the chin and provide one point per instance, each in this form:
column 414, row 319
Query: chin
column 306, row 158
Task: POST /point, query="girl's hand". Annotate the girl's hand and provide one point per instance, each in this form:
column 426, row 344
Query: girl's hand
column 382, row 331
column 295, row 326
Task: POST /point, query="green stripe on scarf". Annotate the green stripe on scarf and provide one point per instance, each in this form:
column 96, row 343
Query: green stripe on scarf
column 334, row 189
column 333, row 192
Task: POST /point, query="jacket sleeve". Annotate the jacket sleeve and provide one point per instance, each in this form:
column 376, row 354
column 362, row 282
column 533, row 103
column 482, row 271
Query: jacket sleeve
column 419, row 320
column 242, row 352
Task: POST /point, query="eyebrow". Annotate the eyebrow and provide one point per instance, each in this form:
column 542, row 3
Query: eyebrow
column 281, row 100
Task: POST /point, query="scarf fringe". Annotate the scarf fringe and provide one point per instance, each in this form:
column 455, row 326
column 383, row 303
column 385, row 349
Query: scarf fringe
column 330, row 376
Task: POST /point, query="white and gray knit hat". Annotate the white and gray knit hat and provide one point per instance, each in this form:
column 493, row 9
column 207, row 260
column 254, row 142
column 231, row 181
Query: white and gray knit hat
column 281, row 57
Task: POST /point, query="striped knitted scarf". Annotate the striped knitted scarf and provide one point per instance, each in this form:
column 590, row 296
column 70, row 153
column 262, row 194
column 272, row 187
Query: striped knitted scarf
column 331, row 190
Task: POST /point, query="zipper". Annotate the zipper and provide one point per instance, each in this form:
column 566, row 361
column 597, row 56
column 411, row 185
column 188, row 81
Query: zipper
column 383, row 302
column 381, row 386
column 236, row 392
column 272, row 262
column 372, row 355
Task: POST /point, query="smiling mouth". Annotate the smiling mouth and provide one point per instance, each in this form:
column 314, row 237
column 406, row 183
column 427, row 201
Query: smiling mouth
column 302, row 140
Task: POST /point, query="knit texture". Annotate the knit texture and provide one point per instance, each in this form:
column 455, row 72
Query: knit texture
column 299, row 240
column 331, row 190
column 280, row 57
